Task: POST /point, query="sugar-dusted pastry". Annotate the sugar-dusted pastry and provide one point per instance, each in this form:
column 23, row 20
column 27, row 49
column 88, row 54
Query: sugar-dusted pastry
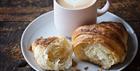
column 53, row 53
column 104, row 44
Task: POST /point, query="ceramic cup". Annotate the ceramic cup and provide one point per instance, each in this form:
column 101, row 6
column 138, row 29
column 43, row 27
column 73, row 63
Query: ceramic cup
column 66, row 20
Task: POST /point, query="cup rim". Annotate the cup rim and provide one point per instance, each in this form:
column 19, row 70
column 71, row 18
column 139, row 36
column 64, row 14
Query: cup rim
column 91, row 4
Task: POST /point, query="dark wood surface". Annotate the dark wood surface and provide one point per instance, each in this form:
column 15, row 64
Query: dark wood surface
column 15, row 15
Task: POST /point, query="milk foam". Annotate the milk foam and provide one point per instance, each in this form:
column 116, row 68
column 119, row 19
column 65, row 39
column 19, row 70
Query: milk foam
column 75, row 4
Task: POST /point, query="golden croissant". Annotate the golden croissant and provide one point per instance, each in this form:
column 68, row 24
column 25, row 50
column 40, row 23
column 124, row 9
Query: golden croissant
column 104, row 44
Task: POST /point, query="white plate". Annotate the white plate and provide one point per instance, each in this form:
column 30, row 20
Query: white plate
column 44, row 26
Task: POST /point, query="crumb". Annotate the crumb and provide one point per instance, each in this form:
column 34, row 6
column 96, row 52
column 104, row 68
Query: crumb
column 74, row 64
column 73, row 68
column 100, row 69
column 86, row 68
column 30, row 49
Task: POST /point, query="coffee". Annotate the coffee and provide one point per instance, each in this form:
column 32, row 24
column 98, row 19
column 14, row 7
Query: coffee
column 75, row 4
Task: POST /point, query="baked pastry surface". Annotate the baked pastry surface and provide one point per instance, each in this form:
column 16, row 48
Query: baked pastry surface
column 104, row 44
column 53, row 53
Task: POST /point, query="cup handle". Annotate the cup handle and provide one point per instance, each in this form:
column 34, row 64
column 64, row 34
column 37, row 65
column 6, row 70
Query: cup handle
column 104, row 9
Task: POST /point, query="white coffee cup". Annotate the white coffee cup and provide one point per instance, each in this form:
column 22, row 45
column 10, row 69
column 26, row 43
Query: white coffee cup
column 67, row 19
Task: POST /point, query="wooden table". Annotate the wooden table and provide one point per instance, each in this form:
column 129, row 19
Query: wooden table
column 15, row 15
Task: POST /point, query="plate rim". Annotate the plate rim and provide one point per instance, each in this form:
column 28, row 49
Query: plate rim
column 23, row 34
column 135, row 37
column 123, row 21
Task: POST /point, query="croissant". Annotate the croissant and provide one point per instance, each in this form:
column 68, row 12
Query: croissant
column 104, row 44
column 53, row 53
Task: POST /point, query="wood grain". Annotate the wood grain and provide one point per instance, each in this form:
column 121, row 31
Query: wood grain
column 15, row 15
column 21, row 14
